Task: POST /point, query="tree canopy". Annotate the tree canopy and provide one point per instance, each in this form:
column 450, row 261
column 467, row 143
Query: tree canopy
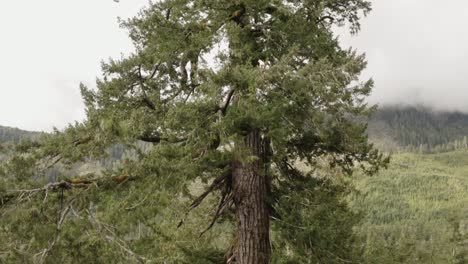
column 232, row 95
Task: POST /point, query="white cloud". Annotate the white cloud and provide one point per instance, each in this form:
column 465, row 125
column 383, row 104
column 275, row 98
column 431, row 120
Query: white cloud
column 417, row 52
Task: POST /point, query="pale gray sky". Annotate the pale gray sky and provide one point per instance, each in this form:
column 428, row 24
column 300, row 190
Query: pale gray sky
column 47, row 48
column 417, row 52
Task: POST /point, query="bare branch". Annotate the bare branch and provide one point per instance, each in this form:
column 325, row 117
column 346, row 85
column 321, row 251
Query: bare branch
column 148, row 102
column 225, row 202
column 151, row 139
column 168, row 13
column 227, row 102
column 158, row 139
column 26, row 194
column 214, row 185
column 142, row 80
column 155, row 70
column 322, row 19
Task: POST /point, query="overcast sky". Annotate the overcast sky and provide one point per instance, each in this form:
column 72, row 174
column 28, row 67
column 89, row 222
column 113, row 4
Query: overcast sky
column 417, row 52
column 47, row 48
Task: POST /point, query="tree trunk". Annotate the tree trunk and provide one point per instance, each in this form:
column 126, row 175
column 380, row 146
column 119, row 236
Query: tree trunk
column 250, row 199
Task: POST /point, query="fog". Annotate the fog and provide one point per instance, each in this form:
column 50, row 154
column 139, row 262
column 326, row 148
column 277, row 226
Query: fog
column 417, row 52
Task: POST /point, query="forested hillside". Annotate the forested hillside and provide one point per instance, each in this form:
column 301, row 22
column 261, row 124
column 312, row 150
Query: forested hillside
column 418, row 129
column 115, row 155
column 15, row 135
column 416, row 211
column 9, row 134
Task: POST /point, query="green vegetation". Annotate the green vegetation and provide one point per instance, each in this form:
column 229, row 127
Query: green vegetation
column 416, row 211
column 247, row 162
column 15, row 135
column 418, row 129
column 231, row 94
column 131, row 223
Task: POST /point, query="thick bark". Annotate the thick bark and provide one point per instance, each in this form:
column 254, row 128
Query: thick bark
column 250, row 199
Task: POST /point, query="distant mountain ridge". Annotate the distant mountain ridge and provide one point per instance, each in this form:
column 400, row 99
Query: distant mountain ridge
column 14, row 135
column 393, row 127
column 116, row 153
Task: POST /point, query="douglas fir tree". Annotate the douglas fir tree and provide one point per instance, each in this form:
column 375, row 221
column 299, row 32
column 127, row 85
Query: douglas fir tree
column 233, row 93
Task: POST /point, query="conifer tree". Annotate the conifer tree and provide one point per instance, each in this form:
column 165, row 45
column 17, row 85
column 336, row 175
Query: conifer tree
column 233, row 93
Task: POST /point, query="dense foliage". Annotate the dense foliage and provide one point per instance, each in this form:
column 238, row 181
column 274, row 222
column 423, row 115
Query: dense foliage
column 232, row 94
column 131, row 223
column 418, row 129
column 415, row 212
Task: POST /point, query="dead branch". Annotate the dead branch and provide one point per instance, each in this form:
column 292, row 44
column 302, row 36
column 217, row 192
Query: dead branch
column 225, row 202
column 227, row 102
column 158, row 139
column 214, row 185
column 322, row 19
column 76, row 183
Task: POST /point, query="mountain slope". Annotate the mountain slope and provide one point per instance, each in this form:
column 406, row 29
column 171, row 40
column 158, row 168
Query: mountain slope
column 10, row 134
column 396, row 127
column 416, row 211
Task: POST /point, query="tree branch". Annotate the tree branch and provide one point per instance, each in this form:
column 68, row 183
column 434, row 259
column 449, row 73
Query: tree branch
column 150, row 139
column 224, row 203
column 322, row 19
column 142, row 80
column 158, row 139
column 214, row 185
column 156, row 68
column 76, row 183
column 227, row 102
column 168, row 13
